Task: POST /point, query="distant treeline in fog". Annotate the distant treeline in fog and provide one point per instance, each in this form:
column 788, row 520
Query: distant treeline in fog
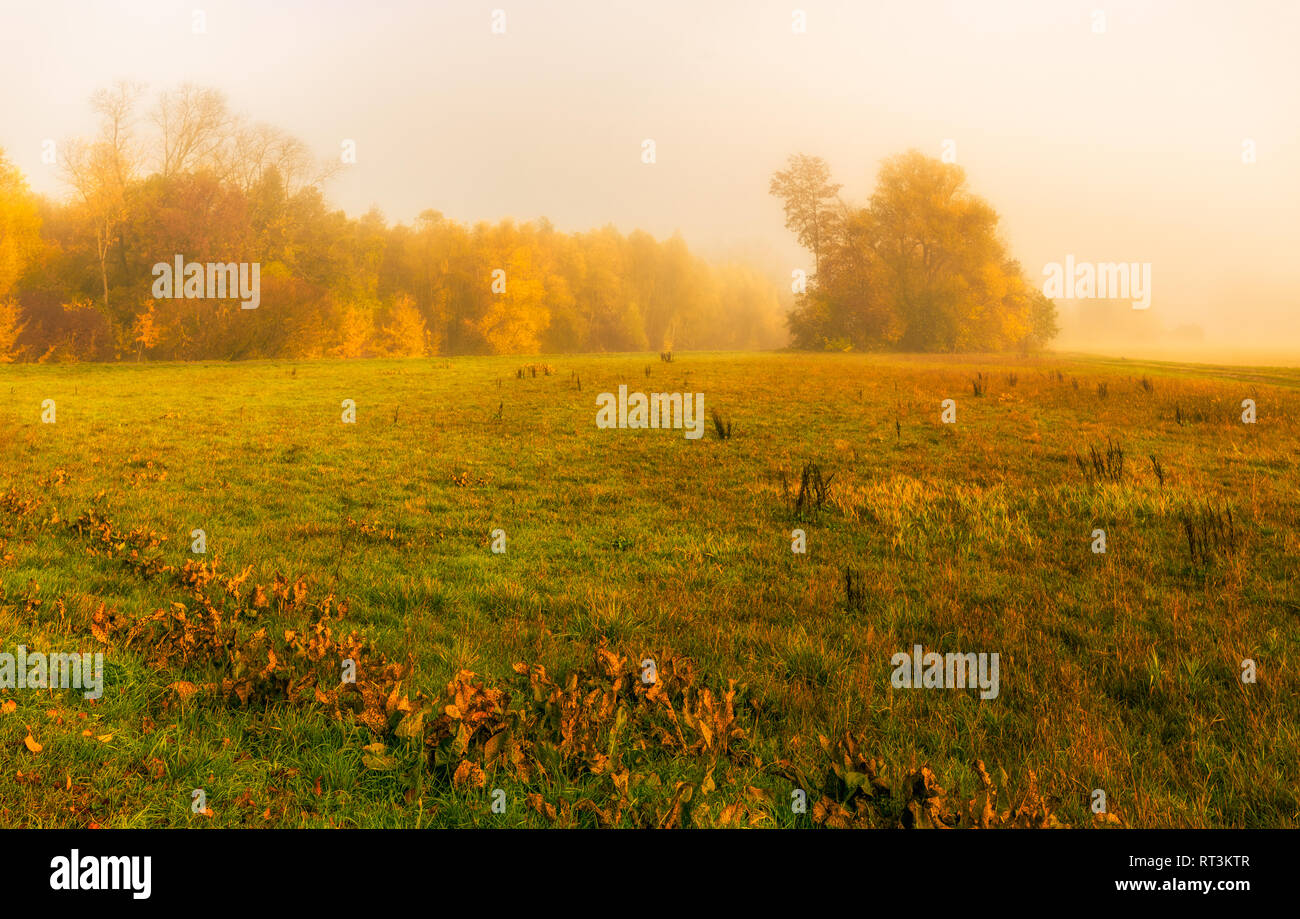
column 184, row 176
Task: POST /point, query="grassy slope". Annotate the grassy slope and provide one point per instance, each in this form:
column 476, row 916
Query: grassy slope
column 1118, row 671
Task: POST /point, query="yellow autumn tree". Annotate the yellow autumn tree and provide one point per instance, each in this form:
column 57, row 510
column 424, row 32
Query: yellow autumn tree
column 405, row 333
column 356, row 326
column 10, row 329
column 145, row 332
column 20, row 239
column 922, row 268
column 517, row 316
column 20, row 225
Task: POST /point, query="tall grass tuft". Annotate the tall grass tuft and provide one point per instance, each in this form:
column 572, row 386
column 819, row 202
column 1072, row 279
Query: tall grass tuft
column 814, row 490
column 721, row 426
column 853, row 594
column 1158, row 469
column 1102, row 464
column 1210, row 531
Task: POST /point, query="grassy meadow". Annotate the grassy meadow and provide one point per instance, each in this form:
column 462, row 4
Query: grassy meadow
column 522, row 671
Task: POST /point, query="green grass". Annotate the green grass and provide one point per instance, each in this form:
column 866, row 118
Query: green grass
column 1118, row 671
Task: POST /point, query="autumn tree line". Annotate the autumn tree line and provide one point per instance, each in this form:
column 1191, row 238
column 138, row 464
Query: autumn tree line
column 182, row 174
column 921, row 267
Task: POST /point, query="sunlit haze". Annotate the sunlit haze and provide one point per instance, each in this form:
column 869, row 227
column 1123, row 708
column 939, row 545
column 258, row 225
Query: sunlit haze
column 1119, row 145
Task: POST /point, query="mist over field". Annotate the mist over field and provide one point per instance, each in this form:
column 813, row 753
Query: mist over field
column 1161, row 133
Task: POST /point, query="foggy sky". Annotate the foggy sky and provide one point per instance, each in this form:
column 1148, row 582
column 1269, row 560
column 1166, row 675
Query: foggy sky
column 1120, row 146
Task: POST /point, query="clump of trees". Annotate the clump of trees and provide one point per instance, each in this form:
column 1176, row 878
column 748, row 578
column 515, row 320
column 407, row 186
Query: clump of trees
column 187, row 176
column 920, row 268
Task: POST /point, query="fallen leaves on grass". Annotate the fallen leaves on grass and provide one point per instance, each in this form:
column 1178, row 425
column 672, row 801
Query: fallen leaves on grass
column 854, row 796
column 183, row 689
column 374, row 756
